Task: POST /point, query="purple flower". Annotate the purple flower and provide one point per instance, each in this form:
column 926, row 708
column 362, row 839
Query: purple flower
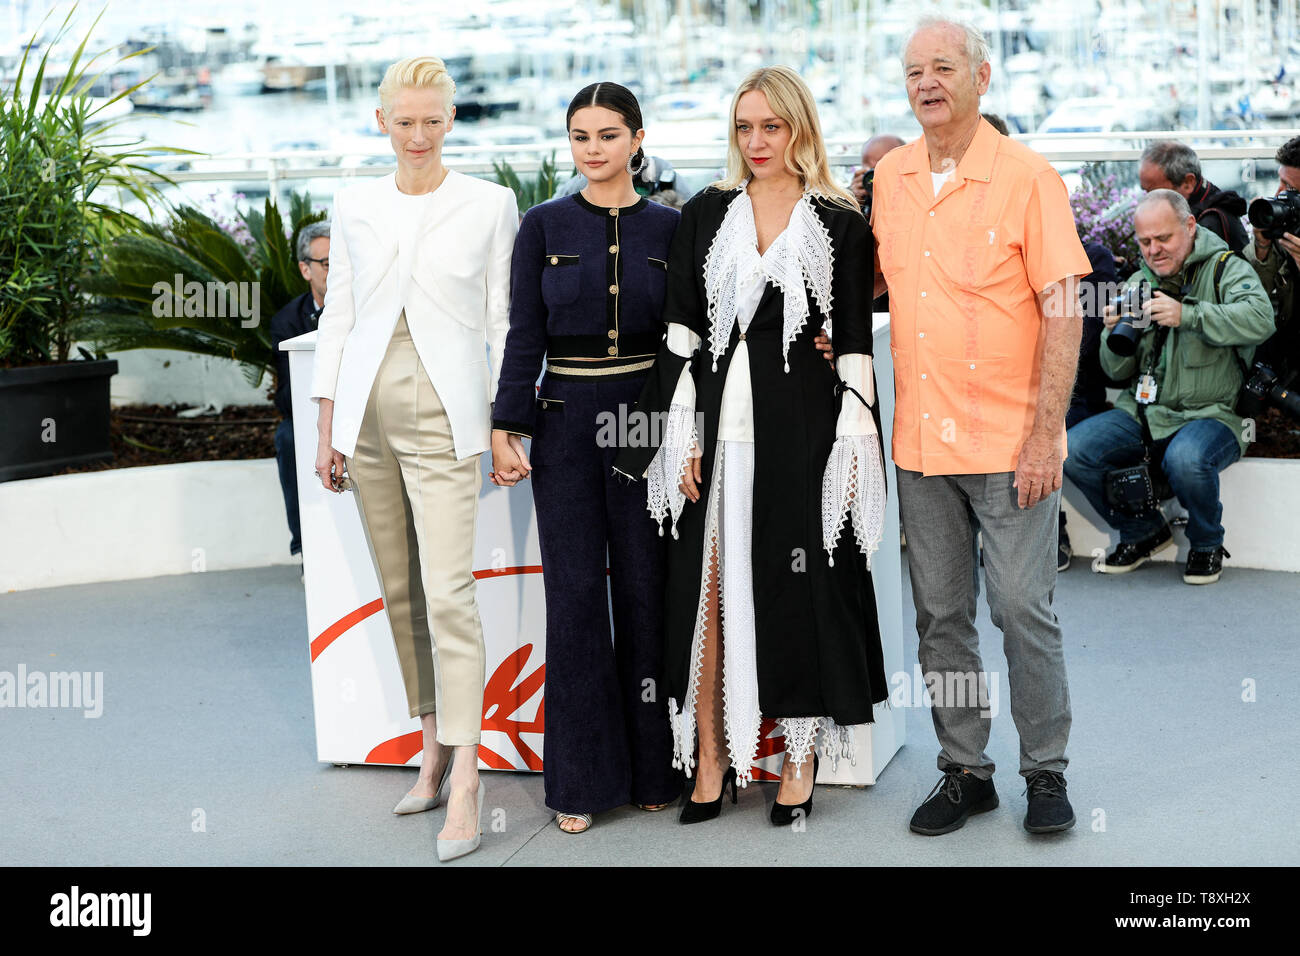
column 1103, row 213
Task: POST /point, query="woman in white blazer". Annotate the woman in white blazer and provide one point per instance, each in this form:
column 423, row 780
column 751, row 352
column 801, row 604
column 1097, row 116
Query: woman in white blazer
column 407, row 359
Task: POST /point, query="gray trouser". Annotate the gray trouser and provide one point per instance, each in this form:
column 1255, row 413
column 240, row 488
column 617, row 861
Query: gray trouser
column 940, row 515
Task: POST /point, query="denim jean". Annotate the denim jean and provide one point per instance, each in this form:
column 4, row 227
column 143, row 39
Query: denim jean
column 1192, row 460
column 284, row 457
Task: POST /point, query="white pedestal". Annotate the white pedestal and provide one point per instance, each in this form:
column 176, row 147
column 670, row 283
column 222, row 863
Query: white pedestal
column 357, row 691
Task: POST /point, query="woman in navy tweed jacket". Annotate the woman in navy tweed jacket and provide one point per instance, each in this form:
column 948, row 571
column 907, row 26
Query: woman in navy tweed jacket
column 587, row 289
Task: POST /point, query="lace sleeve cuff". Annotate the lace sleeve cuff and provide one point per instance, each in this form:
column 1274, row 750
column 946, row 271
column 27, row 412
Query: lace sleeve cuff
column 664, row 497
column 854, row 482
column 854, row 485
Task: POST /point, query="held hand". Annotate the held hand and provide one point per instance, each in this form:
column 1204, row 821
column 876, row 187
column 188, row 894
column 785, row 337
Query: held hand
column 690, row 483
column 509, row 462
column 1164, row 310
column 329, row 463
column 1291, row 246
column 329, row 466
column 855, row 186
column 823, row 343
column 1038, row 470
column 1109, row 317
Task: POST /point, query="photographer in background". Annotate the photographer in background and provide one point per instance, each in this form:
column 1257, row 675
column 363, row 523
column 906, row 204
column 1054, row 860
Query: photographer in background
column 1275, row 254
column 872, row 151
column 298, row 317
column 1172, row 165
column 1182, row 350
column 861, row 184
column 1090, row 382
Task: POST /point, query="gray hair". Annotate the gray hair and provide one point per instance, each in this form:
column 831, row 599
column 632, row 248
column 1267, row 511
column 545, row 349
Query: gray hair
column 315, row 230
column 977, row 48
column 1176, row 200
column 1175, row 159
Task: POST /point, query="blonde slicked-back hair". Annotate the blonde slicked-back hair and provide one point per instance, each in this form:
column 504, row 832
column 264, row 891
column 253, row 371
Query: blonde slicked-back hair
column 416, row 72
column 792, row 101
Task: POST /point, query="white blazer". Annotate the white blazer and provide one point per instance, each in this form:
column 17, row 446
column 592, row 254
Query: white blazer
column 452, row 275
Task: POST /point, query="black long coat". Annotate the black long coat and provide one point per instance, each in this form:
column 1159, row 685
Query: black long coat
column 817, row 637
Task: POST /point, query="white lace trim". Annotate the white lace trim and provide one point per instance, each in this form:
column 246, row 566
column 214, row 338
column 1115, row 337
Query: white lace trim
column 664, row 497
column 741, row 717
column 801, row 257
column 683, row 723
column 801, row 735
column 854, row 484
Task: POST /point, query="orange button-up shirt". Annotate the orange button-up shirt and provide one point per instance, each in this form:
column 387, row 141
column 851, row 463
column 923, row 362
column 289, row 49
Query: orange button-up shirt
column 963, row 268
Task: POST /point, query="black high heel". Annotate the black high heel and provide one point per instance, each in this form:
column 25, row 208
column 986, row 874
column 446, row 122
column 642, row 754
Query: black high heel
column 783, row 814
column 693, row 812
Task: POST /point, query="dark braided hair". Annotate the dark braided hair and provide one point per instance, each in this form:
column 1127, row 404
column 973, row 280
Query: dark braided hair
column 613, row 97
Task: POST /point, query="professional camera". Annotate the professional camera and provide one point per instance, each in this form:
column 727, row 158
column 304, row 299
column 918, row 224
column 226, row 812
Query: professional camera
column 1274, row 215
column 1266, row 386
column 1124, row 336
column 868, row 181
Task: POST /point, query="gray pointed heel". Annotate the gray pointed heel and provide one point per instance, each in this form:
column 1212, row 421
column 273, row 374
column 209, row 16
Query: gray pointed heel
column 451, row 849
column 410, row 804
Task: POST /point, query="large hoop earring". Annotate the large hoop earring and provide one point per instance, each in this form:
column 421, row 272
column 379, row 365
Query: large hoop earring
column 640, row 166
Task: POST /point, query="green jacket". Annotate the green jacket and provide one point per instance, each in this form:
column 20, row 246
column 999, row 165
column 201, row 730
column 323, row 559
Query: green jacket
column 1278, row 275
column 1278, row 279
column 1199, row 376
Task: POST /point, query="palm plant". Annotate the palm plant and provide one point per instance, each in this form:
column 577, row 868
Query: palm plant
column 126, row 286
column 59, row 163
column 528, row 194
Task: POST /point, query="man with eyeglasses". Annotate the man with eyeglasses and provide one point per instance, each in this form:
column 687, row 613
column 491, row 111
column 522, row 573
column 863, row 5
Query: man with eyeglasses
column 296, row 318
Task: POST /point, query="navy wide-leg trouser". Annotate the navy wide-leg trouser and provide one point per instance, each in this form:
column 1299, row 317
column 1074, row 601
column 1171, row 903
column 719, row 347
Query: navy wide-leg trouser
column 607, row 733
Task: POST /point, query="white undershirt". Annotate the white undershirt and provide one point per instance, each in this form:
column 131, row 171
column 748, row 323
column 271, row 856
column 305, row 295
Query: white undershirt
column 939, row 179
column 736, row 421
column 414, row 213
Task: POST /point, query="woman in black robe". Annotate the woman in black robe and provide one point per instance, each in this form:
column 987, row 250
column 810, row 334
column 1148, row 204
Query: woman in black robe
column 769, row 607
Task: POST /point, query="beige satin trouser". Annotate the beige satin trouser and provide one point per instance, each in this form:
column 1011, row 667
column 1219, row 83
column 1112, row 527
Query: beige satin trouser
column 418, row 505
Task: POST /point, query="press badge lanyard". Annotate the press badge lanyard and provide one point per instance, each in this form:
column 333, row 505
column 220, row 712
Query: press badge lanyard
column 1146, row 386
column 1145, row 394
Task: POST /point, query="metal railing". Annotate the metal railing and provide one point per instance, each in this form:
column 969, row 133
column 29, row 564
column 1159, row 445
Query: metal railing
column 273, row 171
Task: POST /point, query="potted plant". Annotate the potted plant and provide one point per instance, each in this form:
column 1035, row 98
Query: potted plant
column 58, row 164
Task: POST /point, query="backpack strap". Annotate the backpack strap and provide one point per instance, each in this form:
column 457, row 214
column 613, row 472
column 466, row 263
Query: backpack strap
column 1219, row 267
column 1224, row 223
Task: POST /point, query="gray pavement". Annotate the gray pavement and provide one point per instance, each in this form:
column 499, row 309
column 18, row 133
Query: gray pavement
column 205, row 752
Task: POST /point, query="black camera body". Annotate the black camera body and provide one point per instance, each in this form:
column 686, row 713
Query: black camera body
column 1129, row 303
column 1266, row 386
column 868, row 184
column 1274, row 215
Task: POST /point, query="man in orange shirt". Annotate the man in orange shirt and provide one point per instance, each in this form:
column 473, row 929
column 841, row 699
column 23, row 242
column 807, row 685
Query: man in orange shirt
column 977, row 246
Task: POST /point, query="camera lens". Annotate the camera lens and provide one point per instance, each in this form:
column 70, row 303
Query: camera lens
column 1261, row 212
column 1124, row 336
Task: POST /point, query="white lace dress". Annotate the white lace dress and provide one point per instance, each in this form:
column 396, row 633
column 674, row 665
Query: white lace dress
column 736, row 276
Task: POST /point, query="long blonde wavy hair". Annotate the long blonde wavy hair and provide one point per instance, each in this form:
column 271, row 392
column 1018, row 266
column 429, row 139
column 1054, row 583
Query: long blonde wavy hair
column 793, row 102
